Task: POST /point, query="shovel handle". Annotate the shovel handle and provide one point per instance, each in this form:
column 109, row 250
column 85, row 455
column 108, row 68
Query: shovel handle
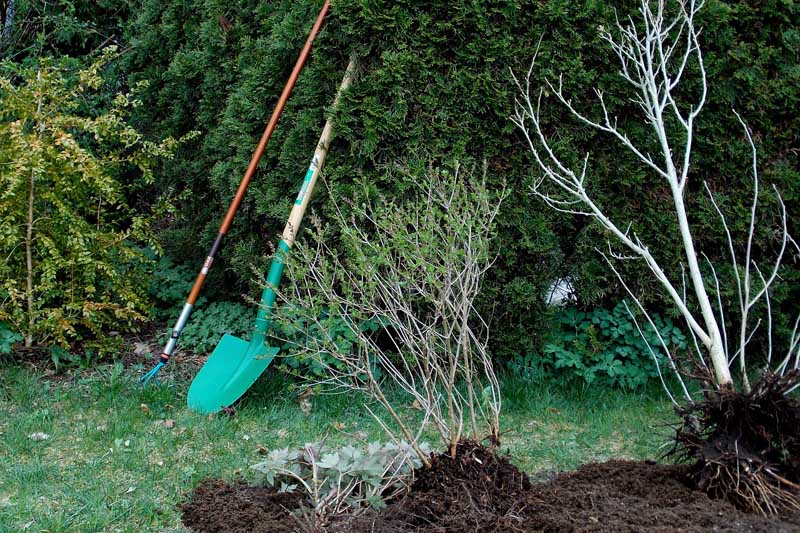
column 298, row 210
column 240, row 191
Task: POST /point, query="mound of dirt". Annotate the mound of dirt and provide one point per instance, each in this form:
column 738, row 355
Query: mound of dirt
column 476, row 491
column 239, row 508
column 481, row 491
column 637, row 496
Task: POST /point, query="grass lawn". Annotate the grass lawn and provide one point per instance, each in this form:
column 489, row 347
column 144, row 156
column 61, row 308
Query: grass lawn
column 119, row 458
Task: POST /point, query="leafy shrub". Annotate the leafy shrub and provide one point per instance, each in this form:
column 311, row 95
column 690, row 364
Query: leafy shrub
column 603, row 347
column 347, row 478
column 8, row 337
column 72, row 271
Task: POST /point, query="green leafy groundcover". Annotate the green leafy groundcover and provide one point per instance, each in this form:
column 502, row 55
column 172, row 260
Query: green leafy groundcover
column 609, row 347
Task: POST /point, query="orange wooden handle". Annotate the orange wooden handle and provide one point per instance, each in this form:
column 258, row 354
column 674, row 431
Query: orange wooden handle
column 273, row 121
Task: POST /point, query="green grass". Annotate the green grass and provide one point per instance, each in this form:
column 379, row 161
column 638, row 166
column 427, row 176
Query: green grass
column 111, row 464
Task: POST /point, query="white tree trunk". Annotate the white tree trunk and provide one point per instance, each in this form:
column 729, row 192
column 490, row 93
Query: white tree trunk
column 716, row 350
column 653, row 57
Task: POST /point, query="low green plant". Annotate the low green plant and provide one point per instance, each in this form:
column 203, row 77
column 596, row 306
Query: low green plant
column 530, row 367
column 79, row 359
column 8, row 338
column 169, row 286
column 296, row 330
column 602, row 347
column 209, row 323
column 343, row 479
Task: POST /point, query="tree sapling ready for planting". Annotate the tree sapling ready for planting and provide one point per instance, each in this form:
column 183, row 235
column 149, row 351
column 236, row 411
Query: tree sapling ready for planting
column 745, row 443
column 413, row 266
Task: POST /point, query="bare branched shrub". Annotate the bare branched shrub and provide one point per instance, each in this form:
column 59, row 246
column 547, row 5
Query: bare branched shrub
column 403, row 296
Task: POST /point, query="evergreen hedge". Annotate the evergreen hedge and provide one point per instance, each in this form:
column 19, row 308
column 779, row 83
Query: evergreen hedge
column 434, row 88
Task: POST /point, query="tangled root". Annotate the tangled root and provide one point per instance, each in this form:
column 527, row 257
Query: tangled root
column 746, row 447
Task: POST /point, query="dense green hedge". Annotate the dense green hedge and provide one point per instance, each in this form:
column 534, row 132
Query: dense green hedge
column 434, row 88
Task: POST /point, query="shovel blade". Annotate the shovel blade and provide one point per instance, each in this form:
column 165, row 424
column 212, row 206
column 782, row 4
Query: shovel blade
column 230, row 370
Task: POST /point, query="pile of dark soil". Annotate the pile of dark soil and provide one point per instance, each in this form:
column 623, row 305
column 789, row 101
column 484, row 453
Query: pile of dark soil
column 480, row 491
column 476, row 491
column 240, row 508
column 637, row 496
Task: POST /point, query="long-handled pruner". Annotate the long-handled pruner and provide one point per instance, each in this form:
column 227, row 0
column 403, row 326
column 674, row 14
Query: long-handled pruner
column 152, row 375
column 235, row 364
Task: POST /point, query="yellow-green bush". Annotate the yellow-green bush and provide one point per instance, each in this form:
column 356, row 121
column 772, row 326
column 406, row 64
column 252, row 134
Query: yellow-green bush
column 71, row 271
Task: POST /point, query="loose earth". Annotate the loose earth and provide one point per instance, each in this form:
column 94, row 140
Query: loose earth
column 481, row 491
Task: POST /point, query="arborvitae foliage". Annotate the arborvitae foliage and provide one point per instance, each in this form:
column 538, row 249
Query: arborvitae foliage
column 32, row 28
column 435, row 87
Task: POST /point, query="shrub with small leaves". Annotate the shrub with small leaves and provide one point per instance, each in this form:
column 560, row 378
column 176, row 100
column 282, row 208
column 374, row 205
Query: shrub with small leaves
column 69, row 230
column 347, row 478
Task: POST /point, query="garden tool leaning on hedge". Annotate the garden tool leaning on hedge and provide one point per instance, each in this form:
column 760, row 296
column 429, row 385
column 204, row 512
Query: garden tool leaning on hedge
column 235, row 364
column 237, row 199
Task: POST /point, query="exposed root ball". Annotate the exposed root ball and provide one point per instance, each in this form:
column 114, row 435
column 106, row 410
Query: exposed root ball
column 746, row 447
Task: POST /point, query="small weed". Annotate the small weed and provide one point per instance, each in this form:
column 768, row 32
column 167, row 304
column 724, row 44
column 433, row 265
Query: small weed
column 8, row 337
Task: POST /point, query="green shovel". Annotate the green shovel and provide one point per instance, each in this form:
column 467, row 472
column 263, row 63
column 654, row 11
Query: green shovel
column 235, row 364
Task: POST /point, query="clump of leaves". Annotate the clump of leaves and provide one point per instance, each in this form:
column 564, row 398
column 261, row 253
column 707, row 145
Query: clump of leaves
column 169, row 286
column 8, row 337
column 295, row 330
column 604, row 347
column 210, row 323
column 344, row 479
column 68, row 234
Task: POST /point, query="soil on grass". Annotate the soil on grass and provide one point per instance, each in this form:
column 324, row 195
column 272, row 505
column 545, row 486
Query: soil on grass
column 240, row 508
column 480, row 491
column 637, row 496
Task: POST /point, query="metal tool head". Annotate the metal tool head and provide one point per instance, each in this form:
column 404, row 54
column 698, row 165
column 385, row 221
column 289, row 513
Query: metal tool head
column 230, row 370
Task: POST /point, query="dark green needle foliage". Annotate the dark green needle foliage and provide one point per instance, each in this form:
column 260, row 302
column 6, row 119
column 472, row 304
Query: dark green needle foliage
column 435, row 87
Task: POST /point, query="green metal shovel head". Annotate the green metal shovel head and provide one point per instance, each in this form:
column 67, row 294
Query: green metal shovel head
column 230, row 370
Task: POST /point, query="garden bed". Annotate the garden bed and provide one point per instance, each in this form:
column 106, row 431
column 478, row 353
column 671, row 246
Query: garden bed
column 481, row 492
